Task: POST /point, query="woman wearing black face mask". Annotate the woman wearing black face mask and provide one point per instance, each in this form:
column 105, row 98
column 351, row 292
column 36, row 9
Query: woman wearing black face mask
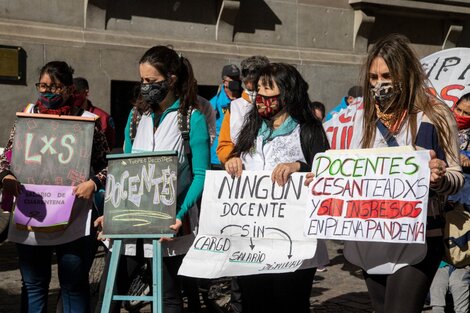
column 281, row 135
column 168, row 99
column 72, row 246
column 399, row 111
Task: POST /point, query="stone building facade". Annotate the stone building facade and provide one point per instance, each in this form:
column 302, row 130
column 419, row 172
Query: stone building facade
column 104, row 39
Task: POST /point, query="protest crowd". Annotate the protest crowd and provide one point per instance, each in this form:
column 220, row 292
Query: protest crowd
column 385, row 185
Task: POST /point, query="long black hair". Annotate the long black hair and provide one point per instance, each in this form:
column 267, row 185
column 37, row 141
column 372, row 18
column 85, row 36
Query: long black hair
column 168, row 63
column 294, row 100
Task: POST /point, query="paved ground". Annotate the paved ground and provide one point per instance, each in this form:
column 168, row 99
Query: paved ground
column 337, row 290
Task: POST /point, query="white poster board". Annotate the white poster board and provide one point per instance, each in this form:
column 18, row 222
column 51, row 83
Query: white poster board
column 249, row 225
column 367, row 195
column 449, row 73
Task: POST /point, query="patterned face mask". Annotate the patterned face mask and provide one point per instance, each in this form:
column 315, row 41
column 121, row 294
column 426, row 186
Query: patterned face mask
column 268, row 106
column 383, row 91
column 154, row 93
column 51, row 100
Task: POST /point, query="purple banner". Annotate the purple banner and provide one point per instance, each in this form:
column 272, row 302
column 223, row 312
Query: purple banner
column 44, row 205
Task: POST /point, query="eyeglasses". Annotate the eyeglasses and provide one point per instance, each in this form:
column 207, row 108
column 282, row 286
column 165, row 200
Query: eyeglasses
column 41, row 87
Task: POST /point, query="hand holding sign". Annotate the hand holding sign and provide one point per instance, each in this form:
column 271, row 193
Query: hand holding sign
column 84, row 190
column 282, row 172
column 437, row 168
column 11, row 185
column 234, row 167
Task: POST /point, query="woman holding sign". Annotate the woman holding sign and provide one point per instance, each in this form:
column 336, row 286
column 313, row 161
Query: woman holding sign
column 281, row 135
column 166, row 109
column 399, row 111
column 72, row 245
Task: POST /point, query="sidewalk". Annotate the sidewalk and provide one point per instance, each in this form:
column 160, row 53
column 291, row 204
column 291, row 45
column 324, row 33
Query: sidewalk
column 339, row 289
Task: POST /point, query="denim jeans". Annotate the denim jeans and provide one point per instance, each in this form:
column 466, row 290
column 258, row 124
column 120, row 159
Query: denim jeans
column 74, row 261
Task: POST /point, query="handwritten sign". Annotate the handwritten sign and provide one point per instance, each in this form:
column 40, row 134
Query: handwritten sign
column 366, row 196
column 52, row 150
column 340, row 129
column 249, row 225
column 40, row 206
column 449, row 73
column 141, row 192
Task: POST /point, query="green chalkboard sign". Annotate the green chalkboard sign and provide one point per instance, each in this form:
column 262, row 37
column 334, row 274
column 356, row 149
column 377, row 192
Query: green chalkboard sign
column 141, row 192
column 52, row 149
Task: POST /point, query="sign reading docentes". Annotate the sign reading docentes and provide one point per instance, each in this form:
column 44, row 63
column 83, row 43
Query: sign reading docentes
column 141, row 192
column 249, row 225
column 364, row 195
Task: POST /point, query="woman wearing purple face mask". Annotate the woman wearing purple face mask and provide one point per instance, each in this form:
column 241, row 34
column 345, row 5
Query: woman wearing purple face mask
column 281, row 135
column 74, row 245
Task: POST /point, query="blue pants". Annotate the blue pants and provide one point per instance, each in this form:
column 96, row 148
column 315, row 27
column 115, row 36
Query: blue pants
column 74, row 261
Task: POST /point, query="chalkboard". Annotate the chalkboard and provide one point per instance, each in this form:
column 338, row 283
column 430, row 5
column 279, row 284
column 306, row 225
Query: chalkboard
column 52, row 149
column 141, row 192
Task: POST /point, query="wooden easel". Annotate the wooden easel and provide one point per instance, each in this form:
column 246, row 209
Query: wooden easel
column 156, row 297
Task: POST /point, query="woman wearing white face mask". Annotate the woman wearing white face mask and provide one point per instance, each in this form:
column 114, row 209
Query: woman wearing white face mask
column 398, row 110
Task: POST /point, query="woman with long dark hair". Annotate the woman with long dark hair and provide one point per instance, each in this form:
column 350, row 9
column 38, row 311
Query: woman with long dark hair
column 280, row 134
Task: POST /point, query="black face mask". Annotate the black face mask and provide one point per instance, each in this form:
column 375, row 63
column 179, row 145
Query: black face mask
column 383, row 92
column 154, row 93
column 235, row 86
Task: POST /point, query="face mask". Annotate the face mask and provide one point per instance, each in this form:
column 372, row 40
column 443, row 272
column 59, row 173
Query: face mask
column 234, row 86
column 268, row 106
column 51, row 100
column 463, row 122
column 383, row 91
column 154, row 93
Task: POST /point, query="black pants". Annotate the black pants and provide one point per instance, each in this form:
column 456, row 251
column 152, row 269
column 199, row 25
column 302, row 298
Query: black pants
column 277, row 293
column 405, row 290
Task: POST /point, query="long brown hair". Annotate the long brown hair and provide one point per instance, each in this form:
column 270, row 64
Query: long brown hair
column 409, row 77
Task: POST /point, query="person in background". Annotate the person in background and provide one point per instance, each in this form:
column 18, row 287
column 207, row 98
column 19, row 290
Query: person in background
column 229, row 90
column 71, row 245
column 280, row 135
column 448, row 277
column 399, row 111
column 353, row 93
column 234, row 118
column 318, row 110
column 82, row 90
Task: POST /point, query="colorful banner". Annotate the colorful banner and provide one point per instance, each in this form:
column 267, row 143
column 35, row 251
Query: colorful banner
column 367, row 195
column 249, row 225
column 449, row 73
column 44, row 205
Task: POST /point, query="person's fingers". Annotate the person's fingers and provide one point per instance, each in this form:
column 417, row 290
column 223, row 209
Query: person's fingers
column 433, row 154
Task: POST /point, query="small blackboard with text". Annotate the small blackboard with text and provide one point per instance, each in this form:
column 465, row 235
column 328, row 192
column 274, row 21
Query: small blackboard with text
column 141, row 192
column 52, row 149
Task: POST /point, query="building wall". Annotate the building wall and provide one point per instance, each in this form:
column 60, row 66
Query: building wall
column 104, row 39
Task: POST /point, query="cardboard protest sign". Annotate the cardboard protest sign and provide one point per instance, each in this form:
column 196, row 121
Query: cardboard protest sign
column 249, row 225
column 448, row 72
column 364, row 195
column 50, row 155
column 141, row 192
